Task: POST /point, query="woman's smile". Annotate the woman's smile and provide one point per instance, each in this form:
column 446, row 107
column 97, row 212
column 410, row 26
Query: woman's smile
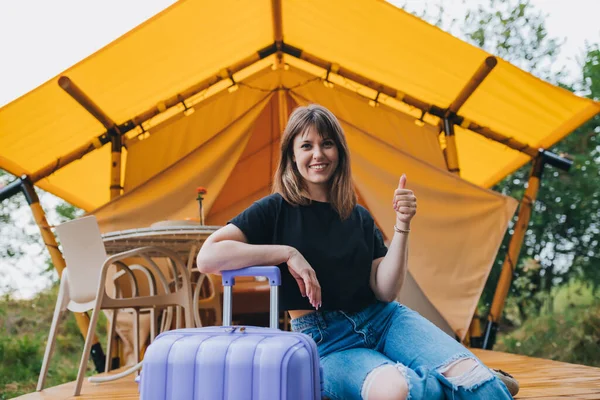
column 319, row 167
column 316, row 159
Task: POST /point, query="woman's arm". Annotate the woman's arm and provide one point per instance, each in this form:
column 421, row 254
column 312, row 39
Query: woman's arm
column 228, row 249
column 388, row 273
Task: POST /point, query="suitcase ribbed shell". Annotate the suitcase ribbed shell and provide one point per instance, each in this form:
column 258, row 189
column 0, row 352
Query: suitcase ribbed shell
column 241, row 363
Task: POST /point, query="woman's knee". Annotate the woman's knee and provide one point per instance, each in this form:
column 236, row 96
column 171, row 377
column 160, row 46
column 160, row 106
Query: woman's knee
column 466, row 372
column 386, row 382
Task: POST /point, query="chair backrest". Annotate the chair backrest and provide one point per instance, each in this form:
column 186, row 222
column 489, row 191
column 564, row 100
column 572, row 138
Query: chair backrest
column 84, row 254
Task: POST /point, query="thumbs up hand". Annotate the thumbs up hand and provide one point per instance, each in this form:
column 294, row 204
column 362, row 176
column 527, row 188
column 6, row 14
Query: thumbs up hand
column 404, row 203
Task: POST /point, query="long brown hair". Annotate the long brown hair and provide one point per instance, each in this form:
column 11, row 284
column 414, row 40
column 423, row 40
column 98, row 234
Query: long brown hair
column 290, row 184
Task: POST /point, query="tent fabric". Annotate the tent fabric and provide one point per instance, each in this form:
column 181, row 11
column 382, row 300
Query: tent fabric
column 171, row 194
column 195, row 39
column 455, row 236
column 230, row 144
column 448, row 205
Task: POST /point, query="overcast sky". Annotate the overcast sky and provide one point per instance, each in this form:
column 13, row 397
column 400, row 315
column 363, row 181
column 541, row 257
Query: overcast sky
column 39, row 39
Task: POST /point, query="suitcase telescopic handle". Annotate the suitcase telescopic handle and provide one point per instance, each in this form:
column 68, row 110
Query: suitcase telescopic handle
column 274, row 276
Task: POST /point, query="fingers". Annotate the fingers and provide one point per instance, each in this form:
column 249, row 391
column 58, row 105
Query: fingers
column 402, row 183
column 312, row 287
column 403, row 192
column 306, row 278
column 404, row 200
column 301, row 286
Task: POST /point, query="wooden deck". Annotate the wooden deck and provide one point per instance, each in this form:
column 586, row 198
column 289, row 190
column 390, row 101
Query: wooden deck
column 539, row 379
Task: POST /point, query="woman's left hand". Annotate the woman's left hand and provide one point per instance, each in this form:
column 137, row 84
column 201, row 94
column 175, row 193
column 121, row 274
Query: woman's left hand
column 404, row 203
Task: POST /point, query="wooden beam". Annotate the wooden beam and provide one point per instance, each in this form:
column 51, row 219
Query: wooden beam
column 514, row 248
column 505, row 140
column 482, row 72
column 76, row 93
column 115, row 165
column 277, row 21
column 112, row 131
column 277, row 31
column 300, row 54
column 68, row 159
column 450, row 152
column 101, row 140
column 59, row 263
column 411, row 101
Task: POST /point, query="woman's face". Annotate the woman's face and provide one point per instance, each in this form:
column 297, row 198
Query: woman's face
column 316, row 158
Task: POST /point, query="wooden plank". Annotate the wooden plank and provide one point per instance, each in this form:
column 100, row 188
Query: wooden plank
column 539, row 379
column 546, row 379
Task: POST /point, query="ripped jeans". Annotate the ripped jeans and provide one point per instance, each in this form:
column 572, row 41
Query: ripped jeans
column 352, row 345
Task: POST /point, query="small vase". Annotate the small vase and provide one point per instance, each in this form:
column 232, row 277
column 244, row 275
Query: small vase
column 201, row 208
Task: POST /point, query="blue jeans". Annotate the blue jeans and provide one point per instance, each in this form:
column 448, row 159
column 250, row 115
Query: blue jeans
column 352, row 345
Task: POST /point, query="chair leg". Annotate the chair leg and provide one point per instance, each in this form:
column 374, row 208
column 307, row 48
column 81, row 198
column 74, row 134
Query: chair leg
column 152, row 324
column 58, row 311
column 178, row 317
column 136, row 332
column 111, row 335
column 86, row 348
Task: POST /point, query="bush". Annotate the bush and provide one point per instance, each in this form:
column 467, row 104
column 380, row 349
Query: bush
column 24, row 327
column 571, row 336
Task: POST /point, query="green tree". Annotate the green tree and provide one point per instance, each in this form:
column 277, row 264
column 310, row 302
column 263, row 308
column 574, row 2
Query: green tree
column 564, row 230
column 20, row 236
column 561, row 242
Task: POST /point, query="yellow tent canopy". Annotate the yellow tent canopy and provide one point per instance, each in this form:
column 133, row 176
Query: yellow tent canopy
column 240, row 67
column 194, row 40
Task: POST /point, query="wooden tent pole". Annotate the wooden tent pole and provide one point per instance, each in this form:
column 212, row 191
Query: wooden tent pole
column 114, row 136
column 300, row 54
column 115, row 166
column 277, row 30
column 411, row 101
column 25, row 186
column 76, row 93
column 514, row 248
column 482, row 72
column 103, row 139
column 450, row 152
column 516, row 241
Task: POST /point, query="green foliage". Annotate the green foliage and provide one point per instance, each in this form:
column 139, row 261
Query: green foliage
column 24, row 327
column 572, row 336
column 20, row 236
column 562, row 240
column 67, row 212
column 564, row 231
column 514, row 30
column 11, row 240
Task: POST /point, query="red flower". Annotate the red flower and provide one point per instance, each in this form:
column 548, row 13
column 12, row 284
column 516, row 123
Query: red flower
column 201, row 190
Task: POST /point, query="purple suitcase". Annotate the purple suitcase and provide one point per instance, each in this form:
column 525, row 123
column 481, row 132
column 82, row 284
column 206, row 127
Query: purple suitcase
column 233, row 362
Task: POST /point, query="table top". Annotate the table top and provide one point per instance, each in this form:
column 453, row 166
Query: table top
column 174, row 237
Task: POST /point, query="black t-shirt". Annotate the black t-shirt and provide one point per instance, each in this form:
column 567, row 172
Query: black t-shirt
column 340, row 252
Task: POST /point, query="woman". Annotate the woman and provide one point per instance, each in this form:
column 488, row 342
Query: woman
column 339, row 280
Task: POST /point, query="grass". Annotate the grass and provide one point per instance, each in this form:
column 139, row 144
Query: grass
column 571, row 335
column 24, row 327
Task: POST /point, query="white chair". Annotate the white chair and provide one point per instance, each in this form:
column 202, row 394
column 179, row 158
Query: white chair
column 82, row 286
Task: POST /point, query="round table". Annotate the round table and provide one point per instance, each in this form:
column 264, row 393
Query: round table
column 186, row 240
